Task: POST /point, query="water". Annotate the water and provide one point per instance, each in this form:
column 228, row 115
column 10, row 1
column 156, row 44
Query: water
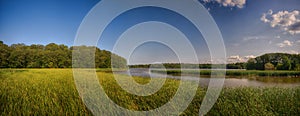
column 230, row 81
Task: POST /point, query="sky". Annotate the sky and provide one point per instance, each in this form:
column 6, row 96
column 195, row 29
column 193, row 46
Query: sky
column 249, row 27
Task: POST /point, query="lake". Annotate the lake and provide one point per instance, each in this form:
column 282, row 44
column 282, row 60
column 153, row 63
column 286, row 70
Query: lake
column 230, row 81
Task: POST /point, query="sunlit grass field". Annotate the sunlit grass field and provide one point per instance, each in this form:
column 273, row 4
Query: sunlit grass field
column 53, row 92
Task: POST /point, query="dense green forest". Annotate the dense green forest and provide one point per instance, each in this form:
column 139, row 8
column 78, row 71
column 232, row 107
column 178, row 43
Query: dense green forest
column 275, row 61
column 55, row 56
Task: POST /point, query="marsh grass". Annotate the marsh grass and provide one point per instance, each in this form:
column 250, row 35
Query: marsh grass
column 39, row 92
column 53, row 92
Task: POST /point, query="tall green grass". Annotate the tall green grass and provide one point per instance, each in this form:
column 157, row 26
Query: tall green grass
column 39, row 92
column 53, row 92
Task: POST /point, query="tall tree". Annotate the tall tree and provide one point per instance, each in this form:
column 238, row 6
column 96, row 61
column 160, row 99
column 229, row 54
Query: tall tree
column 4, row 54
column 251, row 64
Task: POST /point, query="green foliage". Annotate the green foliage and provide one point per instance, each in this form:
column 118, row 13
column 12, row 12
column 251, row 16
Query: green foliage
column 39, row 92
column 55, row 56
column 4, row 54
column 53, row 92
column 257, row 101
column 285, row 64
column 269, row 66
column 281, row 61
column 251, row 64
column 297, row 67
column 236, row 66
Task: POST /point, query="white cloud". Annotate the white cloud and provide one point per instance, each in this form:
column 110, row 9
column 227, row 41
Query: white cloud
column 250, row 56
column 234, row 59
column 285, row 43
column 254, row 38
column 208, row 9
column 237, row 58
column 229, row 3
column 293, row 52
column 264, row 16
column 285, row 20
column 213, row 61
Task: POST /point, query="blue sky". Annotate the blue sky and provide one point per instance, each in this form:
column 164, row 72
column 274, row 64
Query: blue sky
column 42, row 21
column 249, row 27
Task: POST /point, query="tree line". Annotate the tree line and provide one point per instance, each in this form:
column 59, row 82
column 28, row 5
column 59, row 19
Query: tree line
column 270, row 61
column 275, row 61
column 62, row 56
column 56, row 56
column 191, row 66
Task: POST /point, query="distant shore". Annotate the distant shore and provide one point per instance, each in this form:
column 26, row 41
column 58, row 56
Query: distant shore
column 246, row 73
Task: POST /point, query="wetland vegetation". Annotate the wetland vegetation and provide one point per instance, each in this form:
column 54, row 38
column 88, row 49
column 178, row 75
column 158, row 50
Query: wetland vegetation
column 53, row 92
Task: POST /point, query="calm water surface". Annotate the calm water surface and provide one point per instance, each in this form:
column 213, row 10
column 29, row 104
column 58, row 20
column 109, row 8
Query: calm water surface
column 230, row 81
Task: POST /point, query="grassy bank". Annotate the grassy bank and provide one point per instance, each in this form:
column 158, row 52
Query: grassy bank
column 244, row 73
column 53, row 92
